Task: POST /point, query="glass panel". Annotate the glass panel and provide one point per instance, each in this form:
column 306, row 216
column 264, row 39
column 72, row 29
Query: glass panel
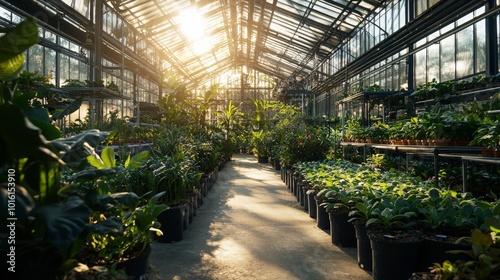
column 433, row 62
column 395, row 77
column 480, row 46
column 402, row 13
column 63, row 68
column 465, row 49
column 50, row 65
column 83, row 71
column 35, row 62
column 420, row 7
column 447, row 46
column 49, row 36
column 420, row 68
column 74, row 69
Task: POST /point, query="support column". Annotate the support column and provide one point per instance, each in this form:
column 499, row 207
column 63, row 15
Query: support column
column 491, row 41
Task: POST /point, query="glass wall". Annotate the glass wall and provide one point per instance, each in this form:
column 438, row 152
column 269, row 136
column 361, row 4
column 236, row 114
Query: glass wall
column 457, row 51
column 61, row 59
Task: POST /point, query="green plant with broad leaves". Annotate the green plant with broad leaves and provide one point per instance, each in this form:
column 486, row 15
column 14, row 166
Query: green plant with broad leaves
column 48, row 225
column 485, row 255
column 121, row 222
column 259, row 142
column 393, row 214
column 121, row 227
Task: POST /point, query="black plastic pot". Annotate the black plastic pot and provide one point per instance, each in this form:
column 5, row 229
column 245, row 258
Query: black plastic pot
column 394, row 259
column 305, row 199
column 341, row 231
column 364, row 248
column 262, row 159
column 435, row 251
column 322, row 217
column 300, row 193
column 277, row 165
column 172, row 224
column 136, row 267
column 312, row 205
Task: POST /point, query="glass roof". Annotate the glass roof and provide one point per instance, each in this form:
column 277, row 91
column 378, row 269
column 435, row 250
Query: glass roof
column 280, row 38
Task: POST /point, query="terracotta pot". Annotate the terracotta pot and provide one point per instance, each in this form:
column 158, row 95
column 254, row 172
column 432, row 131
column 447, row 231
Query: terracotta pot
column 496, row 153
column 488, row 152
column 463, row 143
column 440, row 142
column 412, row 142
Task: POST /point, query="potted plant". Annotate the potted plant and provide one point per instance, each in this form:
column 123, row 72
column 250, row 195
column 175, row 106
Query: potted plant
column 259, row 143
column 483, row 258
column 486, row 136
column 395, row 247
column 339, row 202
column 121, row 222
column 444, row 217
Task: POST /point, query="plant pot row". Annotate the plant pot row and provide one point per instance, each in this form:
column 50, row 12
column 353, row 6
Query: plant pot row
column 386, row 256
column 416, row 142
column 176, row 219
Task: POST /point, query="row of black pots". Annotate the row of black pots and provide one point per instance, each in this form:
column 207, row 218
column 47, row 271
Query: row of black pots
column 386, row 257
column 176, row 219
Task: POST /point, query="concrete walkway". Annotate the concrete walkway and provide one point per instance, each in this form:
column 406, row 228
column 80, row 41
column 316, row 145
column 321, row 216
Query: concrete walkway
column 251, row 227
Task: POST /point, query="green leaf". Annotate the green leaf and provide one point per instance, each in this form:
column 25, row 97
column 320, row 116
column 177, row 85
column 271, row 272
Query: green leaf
column 75, row 149
column 74, row 106
column 127, row 162
column 63, row 222
column 108, row 157
column 21, row 138
column 128, row 200
column 110, row 225
column 10, row 68
column 137, row 160
column 494, row 223
column 49, row 131
column 91, row 174
column 49, row 182
column 40, row 114
column 96, row 161
column 18, row 39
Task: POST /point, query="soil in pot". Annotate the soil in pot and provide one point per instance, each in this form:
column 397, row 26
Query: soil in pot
column 395, row 255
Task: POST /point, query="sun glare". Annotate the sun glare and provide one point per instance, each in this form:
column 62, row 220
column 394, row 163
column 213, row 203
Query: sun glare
column 192, row 24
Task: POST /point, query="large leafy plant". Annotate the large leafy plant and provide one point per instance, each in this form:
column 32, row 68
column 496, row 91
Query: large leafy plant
column 47, row 226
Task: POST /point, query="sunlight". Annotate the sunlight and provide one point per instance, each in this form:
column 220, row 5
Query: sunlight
column 192, row 24
column 201, row 46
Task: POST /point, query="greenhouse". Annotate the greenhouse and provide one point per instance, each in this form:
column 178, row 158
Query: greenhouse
column 260, row 139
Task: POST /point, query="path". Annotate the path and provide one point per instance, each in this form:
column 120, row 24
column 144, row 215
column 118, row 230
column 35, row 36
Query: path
column 251, row 227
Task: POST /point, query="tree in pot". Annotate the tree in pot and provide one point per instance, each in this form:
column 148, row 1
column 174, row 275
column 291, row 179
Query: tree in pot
column 259, row 143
